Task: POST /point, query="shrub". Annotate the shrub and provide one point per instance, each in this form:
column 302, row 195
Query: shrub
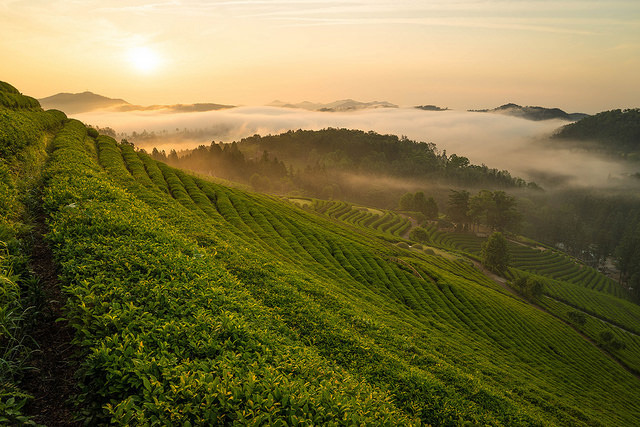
column 529, row 287
column 92, row 133
column 419, row 234
column 577, row 317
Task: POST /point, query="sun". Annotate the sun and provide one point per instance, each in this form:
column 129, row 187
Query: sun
column 143, row 59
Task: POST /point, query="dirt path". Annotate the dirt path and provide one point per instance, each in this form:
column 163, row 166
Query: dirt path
column 414, row 224
column 52, row 382
column 502, row 282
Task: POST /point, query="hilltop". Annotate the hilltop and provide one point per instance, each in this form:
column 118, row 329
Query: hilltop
column 615, row 131
column 340, row 163
column 336, row 106
column 533, row 113
column 187, row 301
column 73, row 103
column 431, row 108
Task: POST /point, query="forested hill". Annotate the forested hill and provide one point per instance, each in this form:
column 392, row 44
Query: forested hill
column 615, row 131
column 533, row 113
column 314, row 161
column 371, row 152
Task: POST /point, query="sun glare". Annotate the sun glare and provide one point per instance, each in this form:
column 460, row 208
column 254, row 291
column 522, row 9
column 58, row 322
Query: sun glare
column 143, row 59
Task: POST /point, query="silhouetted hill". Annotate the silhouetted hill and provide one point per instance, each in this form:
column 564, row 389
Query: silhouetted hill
column 336, row 106
column 533, row 113
column 73, row 103
column 175, row 108
column 431, row 108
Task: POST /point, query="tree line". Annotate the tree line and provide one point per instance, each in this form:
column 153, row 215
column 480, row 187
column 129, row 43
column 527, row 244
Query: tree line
column 336, row 164
column 370, row 152
column 615, row 131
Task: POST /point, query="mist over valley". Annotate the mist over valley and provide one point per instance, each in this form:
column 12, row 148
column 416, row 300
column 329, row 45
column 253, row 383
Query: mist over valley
column 499, row 141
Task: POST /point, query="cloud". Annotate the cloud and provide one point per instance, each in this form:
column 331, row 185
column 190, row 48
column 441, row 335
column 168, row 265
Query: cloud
column 498, row 141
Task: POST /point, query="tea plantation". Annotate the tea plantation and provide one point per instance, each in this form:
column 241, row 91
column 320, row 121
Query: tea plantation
column 195, row 303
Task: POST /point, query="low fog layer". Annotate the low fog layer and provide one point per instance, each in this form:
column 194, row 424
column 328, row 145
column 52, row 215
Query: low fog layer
column 498, row 141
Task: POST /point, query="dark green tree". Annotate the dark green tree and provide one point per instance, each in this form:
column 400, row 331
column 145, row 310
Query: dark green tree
column 479, row 207
column 458, row 206
column 502, row 212
column 495, row 253
column 431, row 207
column 496, row 209
column 420, row 203
column 406, row 202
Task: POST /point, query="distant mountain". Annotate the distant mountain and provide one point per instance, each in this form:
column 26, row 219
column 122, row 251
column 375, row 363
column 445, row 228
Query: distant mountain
column 73, row 103
column 533, row 113
column 431, row 108
column 615, row 131
column 336, row 106
column 175, row 108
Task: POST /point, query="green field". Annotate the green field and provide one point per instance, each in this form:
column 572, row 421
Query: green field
column 195, row 303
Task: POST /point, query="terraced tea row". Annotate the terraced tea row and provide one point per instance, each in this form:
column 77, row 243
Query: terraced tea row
column 169, row 335
column 388, row 222
column 599, row 313
column 560, row 267
column 617, row 341
column 543, row 261
column 565, row 280
column 24, row 132
column 340, row 266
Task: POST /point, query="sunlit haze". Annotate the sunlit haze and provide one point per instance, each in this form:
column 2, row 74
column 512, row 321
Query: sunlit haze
column 579, row 56
column 143, row 59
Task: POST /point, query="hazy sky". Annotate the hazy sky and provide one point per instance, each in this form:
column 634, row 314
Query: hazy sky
column 576, row 55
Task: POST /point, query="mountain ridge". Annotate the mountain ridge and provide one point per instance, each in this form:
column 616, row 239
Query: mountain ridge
column 532, row 112
column 342, row 105
column 74, row 103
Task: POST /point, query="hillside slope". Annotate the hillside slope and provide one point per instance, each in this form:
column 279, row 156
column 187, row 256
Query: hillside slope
column 196, row 302
column 615, row 131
